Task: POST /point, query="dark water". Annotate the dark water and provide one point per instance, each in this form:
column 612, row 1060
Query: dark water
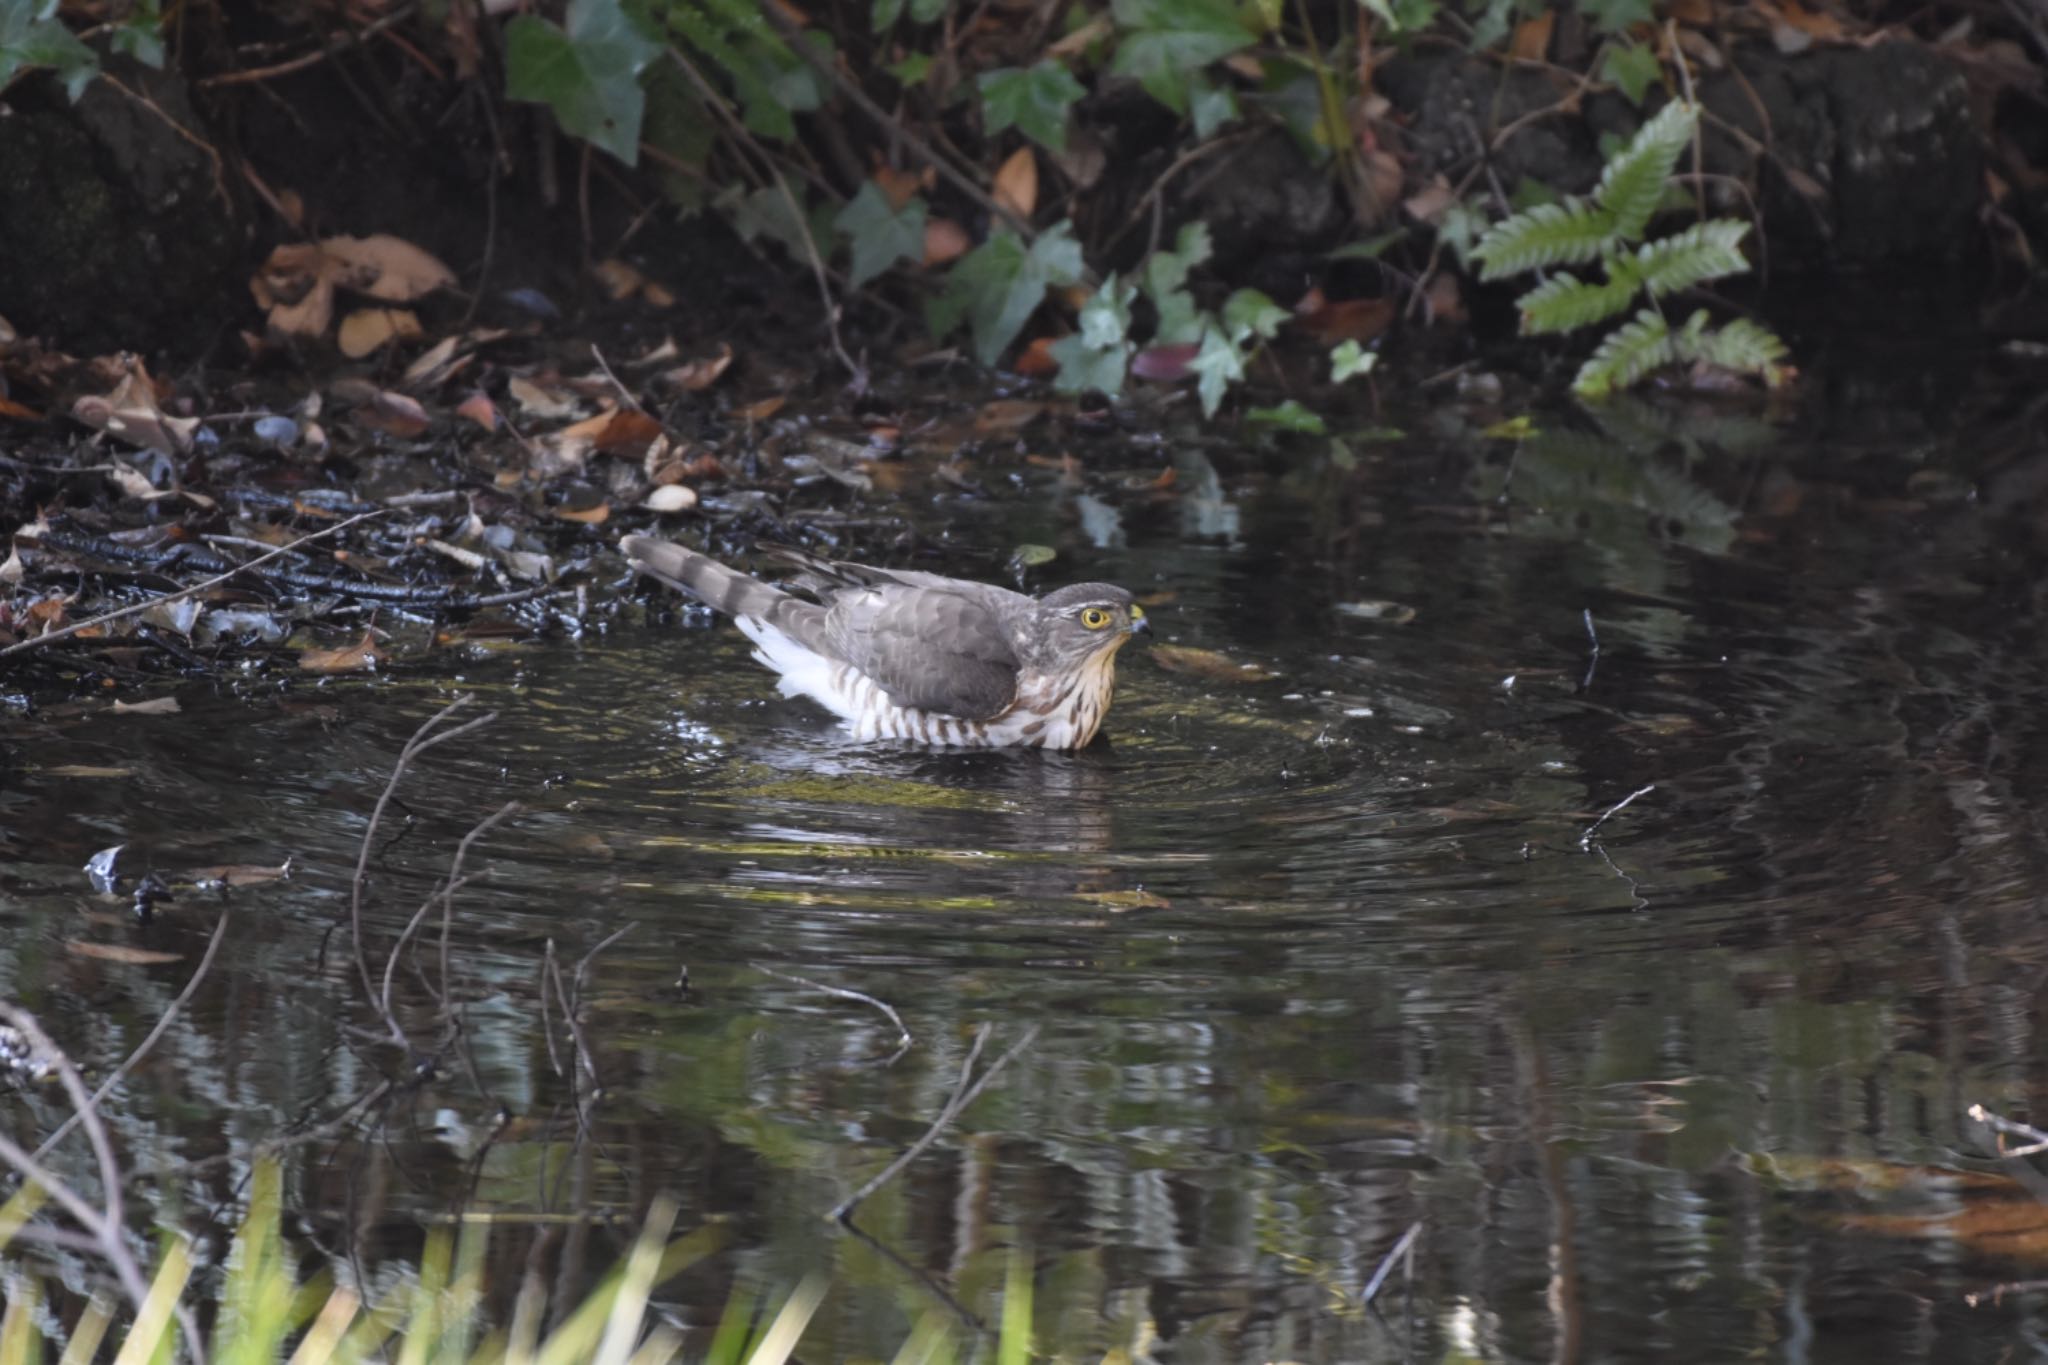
column 1310, row 958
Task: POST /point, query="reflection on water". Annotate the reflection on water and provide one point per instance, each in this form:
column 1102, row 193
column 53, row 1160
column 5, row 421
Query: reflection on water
column 1312, row 959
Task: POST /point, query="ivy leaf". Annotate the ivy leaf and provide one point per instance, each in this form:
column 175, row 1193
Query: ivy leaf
column 587, row 71
column 1099, row 355
column 1165, row 41
column 885, row 14
column 32, row 35
column 1106, row 317
column 1167, row 271
column 141, row 34
column 1633, row 68
column 1219, row 363
column 1212, row 106
column 998, row 285
column 1288, row 416
column 1084, row 367
column 1249, row 313
column 1348, row 360
column 880, row 236
column 767, row 213
column 925, row 11
column 1035, row 99
column 911, row 70
column 1613, row 16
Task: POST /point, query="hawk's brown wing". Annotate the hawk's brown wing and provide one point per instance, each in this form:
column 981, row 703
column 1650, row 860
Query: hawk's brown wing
column 938, row 645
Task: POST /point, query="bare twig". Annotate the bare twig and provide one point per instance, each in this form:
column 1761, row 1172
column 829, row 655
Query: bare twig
column 625, row 394
column 964, row 1094
column 1404, row 1247
column 2037, row 1141
column 182, row 593
column 422, row 739
column 105, row 1223
column 903, row 1038
column 1586, row 839
column 502, row 814
column 1592, row 653
column 335, row 46
column 142, row 1049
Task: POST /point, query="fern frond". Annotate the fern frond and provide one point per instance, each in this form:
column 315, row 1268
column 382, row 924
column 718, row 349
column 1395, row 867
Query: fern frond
column 1633, row 182
column 1569, row 233
column 1743, row 347
column 1564, row 303
column 1628, row 353
column 1704, row 251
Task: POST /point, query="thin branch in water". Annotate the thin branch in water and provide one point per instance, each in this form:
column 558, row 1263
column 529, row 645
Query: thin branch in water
column 142, row 1049
column 483, row 827
column 422, row 739
column 1586, row 839
column 964, row 1094
column 903, row 1039
column 2037, row 1141
column 1404, row 1248
column 1593, row 653
column 105, row 1223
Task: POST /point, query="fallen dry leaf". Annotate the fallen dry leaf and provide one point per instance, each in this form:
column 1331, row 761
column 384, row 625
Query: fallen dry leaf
column 1125, row 900
column 436, row 365
column 85, row 770
column 537, row 400
column 761, row 411
column 384, row 267
column 394, row 414
column 155, row 706
column 1016, row 186
column 131, row 413
column 670, row 497
column 1209, row 664
column 1036, row 359
column 589, row 516
column 10, row 408
column 897, row 186
column 368, row 329
column 1348, row 320
column 121, row 952
column 1007, row 416
column 243, row 874
column 699, row 375
column 479, row 408
column 361, row 657
column 620, row 280
column 944, row 240
column 1532, row 37
column 621, row 431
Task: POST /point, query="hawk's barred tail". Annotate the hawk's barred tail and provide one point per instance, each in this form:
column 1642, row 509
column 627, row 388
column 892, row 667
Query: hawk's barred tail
column 724, row 589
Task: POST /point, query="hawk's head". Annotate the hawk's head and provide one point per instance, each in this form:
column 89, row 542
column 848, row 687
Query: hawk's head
column 1086, row 620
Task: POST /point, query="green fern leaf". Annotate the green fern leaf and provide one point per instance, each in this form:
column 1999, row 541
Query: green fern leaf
column 1564, row 303
column 1704, row 251
column 1633, row 183
column 1628, row 353
column 1742, row 346
column 1569, row 233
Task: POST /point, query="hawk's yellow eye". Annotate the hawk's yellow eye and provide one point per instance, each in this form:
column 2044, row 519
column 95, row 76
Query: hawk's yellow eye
column 1095, row 618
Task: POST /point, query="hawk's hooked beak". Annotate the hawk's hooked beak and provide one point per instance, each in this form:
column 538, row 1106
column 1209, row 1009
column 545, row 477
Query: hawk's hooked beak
column 1139, row 625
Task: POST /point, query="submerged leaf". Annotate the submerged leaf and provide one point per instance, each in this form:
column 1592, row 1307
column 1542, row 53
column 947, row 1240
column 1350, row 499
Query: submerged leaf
column 1207, row 663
